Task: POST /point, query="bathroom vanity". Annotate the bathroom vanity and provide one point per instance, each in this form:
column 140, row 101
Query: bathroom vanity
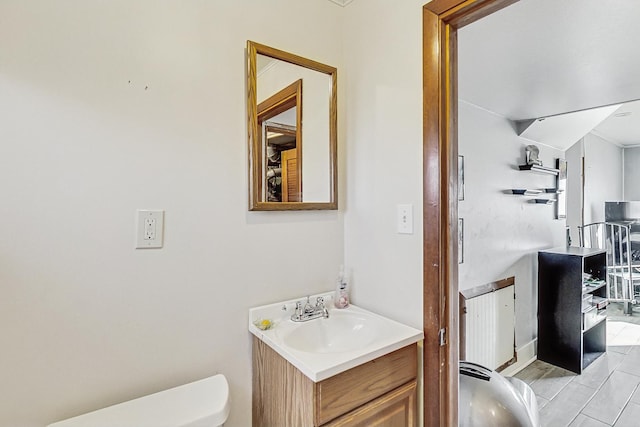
column 384, row 388
column 354, row 368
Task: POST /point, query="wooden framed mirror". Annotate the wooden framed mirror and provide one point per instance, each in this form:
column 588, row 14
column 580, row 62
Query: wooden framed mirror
column 292, row 128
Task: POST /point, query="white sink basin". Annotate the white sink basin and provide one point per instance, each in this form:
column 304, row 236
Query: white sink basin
column 342, row 331
column 324, row 347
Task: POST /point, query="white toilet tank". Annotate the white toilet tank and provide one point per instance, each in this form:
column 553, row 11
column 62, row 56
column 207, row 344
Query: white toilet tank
column 203, row 403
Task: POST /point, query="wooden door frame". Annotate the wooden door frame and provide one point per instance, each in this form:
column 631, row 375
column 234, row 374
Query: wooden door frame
column 441, row 20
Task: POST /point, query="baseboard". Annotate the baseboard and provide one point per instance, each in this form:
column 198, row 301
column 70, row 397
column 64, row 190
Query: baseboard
column 526, row 355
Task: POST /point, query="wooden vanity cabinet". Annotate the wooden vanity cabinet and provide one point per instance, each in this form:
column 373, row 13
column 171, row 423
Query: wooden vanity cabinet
column 380, row 393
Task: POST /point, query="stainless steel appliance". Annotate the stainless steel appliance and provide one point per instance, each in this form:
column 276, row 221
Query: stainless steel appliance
column 488, row 399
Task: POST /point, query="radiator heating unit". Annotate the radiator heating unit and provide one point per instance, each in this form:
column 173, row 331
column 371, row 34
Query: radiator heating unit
column 487, row 324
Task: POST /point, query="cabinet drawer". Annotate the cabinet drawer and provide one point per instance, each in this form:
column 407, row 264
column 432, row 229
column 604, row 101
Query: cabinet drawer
column 344, row 392
column 396, row 408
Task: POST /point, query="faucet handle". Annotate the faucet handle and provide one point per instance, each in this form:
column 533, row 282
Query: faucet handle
column 319, row 302
column 297, row 314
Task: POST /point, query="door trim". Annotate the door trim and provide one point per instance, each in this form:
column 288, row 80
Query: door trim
column 441, row 20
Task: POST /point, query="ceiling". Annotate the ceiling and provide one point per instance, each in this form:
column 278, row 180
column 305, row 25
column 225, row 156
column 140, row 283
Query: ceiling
column 541, row 58
column 623, row 126
column 564, row 130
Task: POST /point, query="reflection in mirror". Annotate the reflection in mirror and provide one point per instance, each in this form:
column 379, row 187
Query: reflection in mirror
column 281, row 129
column 282, row 178
column 292, row 131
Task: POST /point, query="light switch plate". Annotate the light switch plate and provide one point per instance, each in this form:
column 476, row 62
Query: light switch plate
column 149, row 229
column 405, row 219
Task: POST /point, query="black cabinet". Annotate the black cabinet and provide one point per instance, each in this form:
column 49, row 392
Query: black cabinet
column 572, row 330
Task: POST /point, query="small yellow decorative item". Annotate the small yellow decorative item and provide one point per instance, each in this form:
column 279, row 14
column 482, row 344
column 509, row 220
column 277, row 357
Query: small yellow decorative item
column 263, row 324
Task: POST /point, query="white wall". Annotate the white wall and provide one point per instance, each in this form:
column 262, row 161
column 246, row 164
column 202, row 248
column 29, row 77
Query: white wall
column 503, row 232
column 383, row 77
column 109, row 107
column 603, row 162
column 632, row 173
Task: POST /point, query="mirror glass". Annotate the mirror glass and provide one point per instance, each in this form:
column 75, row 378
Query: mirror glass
column 292, row 131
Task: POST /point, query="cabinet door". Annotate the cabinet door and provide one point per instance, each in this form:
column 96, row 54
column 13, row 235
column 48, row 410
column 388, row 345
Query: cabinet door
column 290, row 176
column 345, row 392
column 394, row 409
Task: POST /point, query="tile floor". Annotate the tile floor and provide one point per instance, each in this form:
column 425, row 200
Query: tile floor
column 606, row 394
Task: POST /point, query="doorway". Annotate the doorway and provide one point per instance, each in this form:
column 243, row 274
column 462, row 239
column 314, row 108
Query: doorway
column 441, row 20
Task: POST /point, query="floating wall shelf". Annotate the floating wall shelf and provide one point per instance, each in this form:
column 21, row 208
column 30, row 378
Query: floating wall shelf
column 525, row 192
column 537, row 168
column 543, row 201
column 533, row 192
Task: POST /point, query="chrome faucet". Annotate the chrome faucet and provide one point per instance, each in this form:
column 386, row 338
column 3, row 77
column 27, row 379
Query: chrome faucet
column 309, row 311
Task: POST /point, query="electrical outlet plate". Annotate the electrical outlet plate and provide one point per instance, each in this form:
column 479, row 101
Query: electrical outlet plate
column 149, row 229
column 405, row 219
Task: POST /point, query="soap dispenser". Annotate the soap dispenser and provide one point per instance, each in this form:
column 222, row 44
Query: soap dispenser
column 342, row 293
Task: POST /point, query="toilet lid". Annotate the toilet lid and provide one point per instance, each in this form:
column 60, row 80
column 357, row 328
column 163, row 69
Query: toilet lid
column 197, row 404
